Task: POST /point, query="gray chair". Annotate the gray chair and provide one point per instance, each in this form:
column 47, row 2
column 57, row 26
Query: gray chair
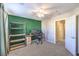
column 37, row 36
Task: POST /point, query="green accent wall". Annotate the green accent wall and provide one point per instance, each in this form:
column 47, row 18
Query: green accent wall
column 30, row 24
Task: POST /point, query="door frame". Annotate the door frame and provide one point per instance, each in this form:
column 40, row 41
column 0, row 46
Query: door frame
column 77, row 35
column 56, row 29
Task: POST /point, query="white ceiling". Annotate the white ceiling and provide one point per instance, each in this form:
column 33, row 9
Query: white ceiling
column 27, row 9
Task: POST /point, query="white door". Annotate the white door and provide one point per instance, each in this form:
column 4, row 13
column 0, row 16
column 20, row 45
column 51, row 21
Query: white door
column 70, row 36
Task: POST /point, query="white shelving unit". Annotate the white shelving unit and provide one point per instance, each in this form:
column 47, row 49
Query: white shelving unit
column 16, row 35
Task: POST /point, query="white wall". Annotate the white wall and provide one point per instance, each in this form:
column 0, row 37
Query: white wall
column 45, row 29
column 48, row 26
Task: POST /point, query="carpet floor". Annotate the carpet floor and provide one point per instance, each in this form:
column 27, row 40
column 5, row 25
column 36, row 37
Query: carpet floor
column 45, row 49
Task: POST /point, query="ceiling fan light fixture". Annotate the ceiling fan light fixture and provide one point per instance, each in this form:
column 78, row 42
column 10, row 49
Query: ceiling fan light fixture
column 40, row 15
column 41, row 12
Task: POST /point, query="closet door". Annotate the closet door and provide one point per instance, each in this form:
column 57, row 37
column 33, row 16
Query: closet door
column 70, row 36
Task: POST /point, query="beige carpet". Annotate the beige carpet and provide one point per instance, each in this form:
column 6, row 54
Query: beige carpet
column 46, row 49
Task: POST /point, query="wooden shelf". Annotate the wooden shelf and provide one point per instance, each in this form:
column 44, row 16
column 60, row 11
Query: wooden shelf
column 17, row 35
column 16, row 23
column 16, row 47
column 16, row 28
column 18, row 40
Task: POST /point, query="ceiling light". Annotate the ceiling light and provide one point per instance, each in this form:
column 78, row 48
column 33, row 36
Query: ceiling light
column 40, row 12
column 40, row 15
